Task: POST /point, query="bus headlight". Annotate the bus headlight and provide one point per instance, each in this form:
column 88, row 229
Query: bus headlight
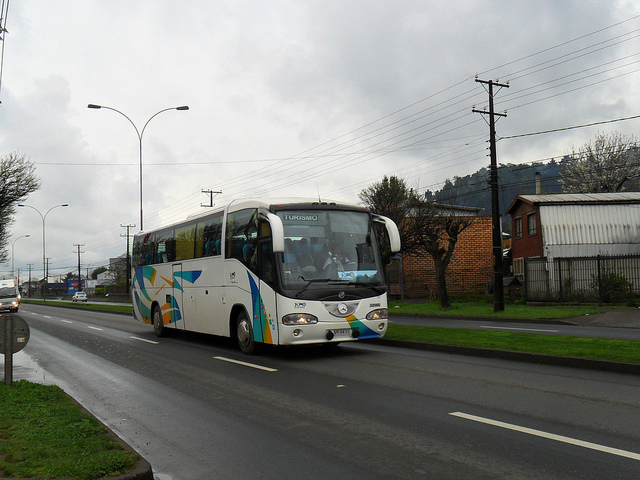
column 379, row 314
column 299, row 319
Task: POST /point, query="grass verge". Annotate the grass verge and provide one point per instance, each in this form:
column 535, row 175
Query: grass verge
column 485, row 309
column 44, row 434
column 594, row 348
column 103, row 307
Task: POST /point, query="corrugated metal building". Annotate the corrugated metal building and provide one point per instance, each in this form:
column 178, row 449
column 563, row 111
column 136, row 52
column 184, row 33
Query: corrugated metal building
column 574, row 225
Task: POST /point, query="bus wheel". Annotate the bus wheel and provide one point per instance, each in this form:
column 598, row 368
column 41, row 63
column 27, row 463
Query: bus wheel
column 158, row 326
column 244, row 333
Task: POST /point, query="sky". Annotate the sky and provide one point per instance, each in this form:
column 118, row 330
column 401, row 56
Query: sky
column 289, row 98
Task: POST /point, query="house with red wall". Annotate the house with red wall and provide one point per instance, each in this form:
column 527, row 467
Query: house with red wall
column 573, row 225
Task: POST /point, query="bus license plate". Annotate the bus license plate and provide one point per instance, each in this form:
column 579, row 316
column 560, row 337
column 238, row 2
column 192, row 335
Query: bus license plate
column 342, row 332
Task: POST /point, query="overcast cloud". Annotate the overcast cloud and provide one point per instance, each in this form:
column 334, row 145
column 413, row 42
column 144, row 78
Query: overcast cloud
column 296, row 98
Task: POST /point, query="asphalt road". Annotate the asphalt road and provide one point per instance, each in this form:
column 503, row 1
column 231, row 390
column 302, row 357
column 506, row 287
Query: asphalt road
column 359, row 411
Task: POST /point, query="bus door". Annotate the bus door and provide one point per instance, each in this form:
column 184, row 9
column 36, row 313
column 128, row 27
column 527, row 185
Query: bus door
column 177, row 297
column 265, row 271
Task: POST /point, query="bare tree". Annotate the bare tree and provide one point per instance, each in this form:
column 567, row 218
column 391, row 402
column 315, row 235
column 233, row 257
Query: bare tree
column 424, row 226
column 605, row 165
column 437, row 229
column 17, row 181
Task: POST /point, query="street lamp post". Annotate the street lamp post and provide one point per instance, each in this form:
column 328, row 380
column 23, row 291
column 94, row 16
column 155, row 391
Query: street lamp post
column 13, row 244
column 140, row 133
column 44, row 256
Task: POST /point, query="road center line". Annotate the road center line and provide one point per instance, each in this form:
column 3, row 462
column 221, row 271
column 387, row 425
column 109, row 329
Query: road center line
column 145, row 340
column 550, row 436
column 522, row 329
column 66, row 321
column 252, row 365
column 95, row 328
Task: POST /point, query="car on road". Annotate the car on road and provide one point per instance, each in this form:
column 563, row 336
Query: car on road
column 79, row 297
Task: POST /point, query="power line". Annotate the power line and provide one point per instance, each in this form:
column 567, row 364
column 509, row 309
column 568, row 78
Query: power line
column 602, row 122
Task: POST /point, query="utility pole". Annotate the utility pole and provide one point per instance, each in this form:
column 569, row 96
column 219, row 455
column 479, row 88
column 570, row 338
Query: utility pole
column 498, row 285
column 211, row 193
column 30, row 265
column 128, row 273
column 79, row 271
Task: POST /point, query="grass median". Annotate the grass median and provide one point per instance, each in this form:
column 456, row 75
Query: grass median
column 484, row 308
column 563, row 346
column 103, row 307
column 44, row 434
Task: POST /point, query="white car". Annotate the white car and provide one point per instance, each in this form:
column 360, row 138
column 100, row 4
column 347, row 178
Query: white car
column 79, row 297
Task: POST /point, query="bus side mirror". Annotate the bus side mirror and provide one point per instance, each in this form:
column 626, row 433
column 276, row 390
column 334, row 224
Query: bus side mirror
column 277, row 232
column 392, row 231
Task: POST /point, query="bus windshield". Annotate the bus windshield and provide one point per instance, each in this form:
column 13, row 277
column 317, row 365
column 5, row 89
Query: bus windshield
column 329, row 247
column 7, row 292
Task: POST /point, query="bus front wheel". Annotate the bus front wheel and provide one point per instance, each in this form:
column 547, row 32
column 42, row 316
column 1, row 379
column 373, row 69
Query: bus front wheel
column 158, row 325
column 244, row 332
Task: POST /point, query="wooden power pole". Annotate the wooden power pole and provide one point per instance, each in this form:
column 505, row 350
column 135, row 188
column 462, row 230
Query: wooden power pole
column 498, row 284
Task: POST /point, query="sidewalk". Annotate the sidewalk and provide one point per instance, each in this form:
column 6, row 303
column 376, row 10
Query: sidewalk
column 615, row 317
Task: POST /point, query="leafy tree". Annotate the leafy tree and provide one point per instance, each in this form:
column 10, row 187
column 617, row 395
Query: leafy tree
column 17, row 181
column 608, row 164
column 98, row 271
column 424, row 226
column 392, row 198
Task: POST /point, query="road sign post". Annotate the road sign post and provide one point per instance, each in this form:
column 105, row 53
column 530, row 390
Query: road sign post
column 14, row 335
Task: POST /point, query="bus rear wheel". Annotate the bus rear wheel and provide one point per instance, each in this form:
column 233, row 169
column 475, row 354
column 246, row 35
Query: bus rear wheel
column 158, row 325
column 244, row 333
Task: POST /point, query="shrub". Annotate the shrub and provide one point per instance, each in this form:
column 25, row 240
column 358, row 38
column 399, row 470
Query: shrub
column 614, row 288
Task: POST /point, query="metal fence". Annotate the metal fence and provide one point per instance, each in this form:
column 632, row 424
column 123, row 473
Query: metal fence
column 592, row 279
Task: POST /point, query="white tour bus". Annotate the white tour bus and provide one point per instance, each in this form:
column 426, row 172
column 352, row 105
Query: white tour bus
column 281, row 272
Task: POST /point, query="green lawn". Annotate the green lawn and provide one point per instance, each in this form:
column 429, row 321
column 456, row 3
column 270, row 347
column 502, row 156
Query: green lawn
column 480, row 308
column 105, row 307
column 44, row 434
column 594, row 348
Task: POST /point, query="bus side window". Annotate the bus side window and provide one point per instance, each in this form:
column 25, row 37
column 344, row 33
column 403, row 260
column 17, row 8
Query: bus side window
column 185, row 237
column 242, row 233
column 209, row 236
column 148, row 249
column 166, row 247
column 265, row 255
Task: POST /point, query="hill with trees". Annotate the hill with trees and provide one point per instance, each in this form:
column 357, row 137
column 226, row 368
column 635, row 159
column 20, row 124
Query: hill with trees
column 473, row 190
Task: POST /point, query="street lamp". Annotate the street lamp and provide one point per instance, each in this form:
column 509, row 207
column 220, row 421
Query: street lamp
column 140, row 133
column 13, row 243
column 44, row 256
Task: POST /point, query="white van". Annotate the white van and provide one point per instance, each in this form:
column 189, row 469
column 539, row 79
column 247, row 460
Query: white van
column 9, row 295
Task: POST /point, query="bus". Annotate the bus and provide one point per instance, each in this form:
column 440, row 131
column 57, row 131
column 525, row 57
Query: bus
column 279, row 272
column 9, row 295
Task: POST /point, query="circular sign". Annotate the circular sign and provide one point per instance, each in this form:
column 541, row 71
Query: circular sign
column 18, row 334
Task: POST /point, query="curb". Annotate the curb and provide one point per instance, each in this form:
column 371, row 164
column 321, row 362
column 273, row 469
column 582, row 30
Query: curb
column 142, row 469
column 572, row 362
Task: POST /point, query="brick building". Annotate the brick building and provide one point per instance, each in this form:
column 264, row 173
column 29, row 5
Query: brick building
column 470, row 269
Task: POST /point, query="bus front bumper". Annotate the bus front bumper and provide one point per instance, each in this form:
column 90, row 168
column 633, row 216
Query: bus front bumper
column 326, row 332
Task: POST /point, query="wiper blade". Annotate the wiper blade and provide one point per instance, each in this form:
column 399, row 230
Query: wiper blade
column 309, row 282
column 375, row 288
